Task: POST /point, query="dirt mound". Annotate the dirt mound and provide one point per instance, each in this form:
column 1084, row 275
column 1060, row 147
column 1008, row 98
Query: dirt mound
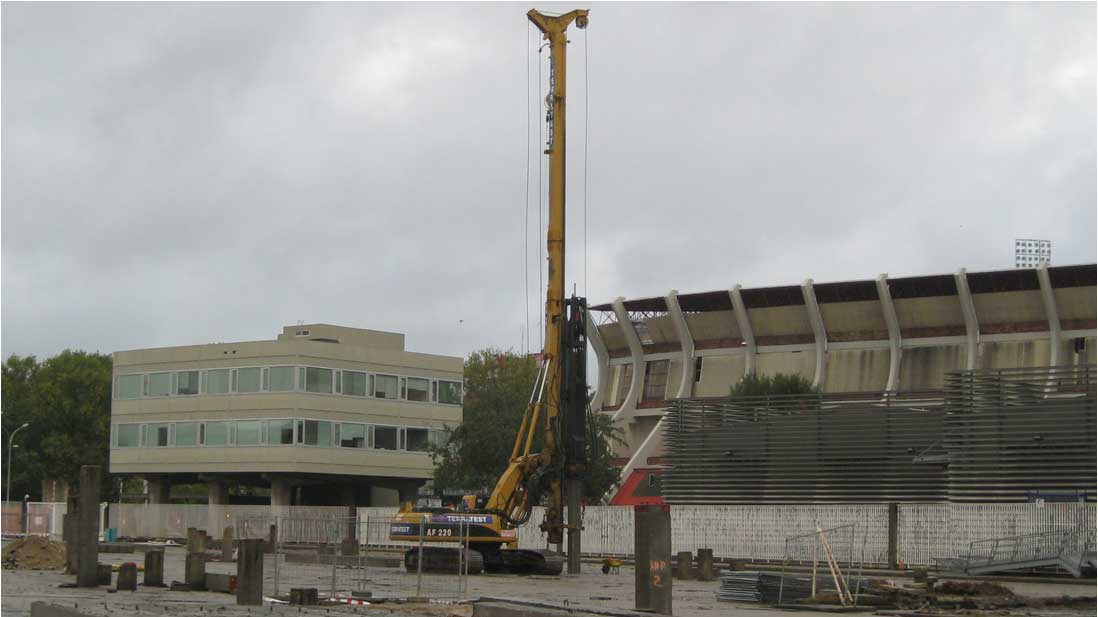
column 34, row 553
column 979, row 588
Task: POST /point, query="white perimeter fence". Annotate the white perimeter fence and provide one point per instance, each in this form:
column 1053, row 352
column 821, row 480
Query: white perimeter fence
column 924, row 531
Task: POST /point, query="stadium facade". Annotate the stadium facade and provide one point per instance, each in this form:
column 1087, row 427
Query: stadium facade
column 875, row 335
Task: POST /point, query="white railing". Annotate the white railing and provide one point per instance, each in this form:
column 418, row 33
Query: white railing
column 924, row 531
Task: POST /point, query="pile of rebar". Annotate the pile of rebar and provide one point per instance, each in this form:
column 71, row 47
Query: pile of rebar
column 762, row 587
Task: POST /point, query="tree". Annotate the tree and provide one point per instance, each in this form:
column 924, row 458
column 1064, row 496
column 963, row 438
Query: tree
column 67, row 401
column 753, row 384
column 497, row 390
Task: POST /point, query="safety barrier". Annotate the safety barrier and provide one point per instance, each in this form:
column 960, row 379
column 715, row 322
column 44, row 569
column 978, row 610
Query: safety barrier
column 924, row 532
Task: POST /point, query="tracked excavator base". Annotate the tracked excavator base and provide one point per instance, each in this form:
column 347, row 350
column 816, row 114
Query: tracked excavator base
column 443, row 560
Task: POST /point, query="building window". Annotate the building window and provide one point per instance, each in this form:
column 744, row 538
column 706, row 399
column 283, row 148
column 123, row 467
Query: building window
column 655, row 379
column 354, row 383
column 417, row 389
column 215, row 433
column 186, row 434
column 246, row 380
column 352, row 435
column 386, row 386
column 157, row 435
column 416, row 439
column 652, row 480
column 127, row 435
column 249, row 432
column 158, row 384
column 129, row 386
column 186, row 382
column 385, row 437
column 449, row 392
column 280, row 432
column 318, row 380
column 314, row 433
column 439, row 438
column 217, row 381
column 280, row 379
column 697, row 370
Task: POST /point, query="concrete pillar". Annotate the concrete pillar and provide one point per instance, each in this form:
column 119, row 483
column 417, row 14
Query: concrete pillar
column 227, row 544
column 683, row 560
column 196, row 540
column 127, row 577
column 154, row 568
column 159, row 490
column 195, row 571
column 103, row 574
column 705, row 564
column 88, row 527
column 348, row 495
column 249, row 574
column 893, row 535
column 218, row 491
column 652, row 546
column 409, row 491
column 281, row 492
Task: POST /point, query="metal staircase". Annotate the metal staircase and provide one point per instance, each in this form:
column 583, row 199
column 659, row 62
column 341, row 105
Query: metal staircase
column 1073, row 550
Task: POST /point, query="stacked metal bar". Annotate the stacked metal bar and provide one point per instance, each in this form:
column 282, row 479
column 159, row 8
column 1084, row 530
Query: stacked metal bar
column 821, row 448
column 1017, row 434
column 762, row 587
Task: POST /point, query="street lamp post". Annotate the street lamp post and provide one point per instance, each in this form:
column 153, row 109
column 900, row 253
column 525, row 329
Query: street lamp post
column 11, row 439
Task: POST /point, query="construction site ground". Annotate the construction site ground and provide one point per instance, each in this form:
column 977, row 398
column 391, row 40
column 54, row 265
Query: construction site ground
column 591, row 590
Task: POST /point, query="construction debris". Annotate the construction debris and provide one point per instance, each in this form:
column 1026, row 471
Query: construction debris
column 34, row 553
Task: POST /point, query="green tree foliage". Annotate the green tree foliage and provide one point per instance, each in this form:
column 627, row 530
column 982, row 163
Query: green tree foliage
column 497, row 390
column 67, row 401
column 769, row 385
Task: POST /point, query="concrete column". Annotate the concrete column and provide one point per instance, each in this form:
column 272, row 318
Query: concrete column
column 705, row 564
column 127, row 577
column 652, row 546
column 281, row 494
column 218, row 492
column 636, row 351
column 894, row 341
column 159, row 490
column 686, row 343
column 249, row 574
column 602, row 357
column 154, row 568
column 683, row 561
column 1048, row 298
column 744, row 324
column 195, row 570
column 88, row 527
column 818, row 330
column 68, row 535
column 972, row 327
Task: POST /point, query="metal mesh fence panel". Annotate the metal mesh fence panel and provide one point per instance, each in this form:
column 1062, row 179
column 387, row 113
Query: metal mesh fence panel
column 417, row 569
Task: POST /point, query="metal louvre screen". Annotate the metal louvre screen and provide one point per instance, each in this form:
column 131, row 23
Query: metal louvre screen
column 822, row 448
column 1021, row 434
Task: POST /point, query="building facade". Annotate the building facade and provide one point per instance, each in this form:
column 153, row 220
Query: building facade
column 883, row 334
column 322, row 415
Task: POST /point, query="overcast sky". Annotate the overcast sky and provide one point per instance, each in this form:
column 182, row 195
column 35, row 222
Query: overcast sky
column 182, row 174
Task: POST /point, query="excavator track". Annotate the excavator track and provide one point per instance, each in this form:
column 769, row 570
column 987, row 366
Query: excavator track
column 522, row 561
column 444, row 560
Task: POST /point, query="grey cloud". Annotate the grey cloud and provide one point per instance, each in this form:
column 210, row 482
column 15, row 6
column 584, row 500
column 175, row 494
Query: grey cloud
column 181, row 173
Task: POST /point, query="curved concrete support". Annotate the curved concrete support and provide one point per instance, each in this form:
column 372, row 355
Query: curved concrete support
column 894, row 341
column 686, row 342
column 1049, row 300
column 602, row 356
column 636, row 351
column 972, row 326
column 746, row 332
column 817, row 322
